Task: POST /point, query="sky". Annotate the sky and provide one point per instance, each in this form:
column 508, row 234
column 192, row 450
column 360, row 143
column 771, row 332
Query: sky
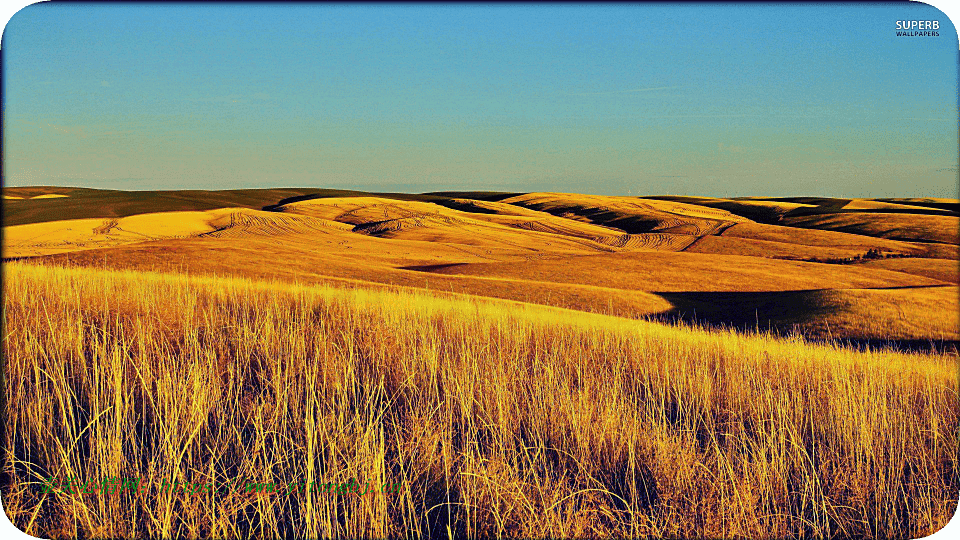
column 714, row 100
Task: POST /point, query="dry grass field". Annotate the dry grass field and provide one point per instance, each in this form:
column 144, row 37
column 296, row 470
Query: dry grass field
column 495, row 418
column 516, row 364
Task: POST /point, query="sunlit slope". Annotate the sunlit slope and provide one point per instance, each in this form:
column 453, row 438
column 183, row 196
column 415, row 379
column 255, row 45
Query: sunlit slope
column 81, row 234
column 764, row 240
column 353, row 243
column 886, row 206
column 77, row 234
column 428, row 221
column 630, row 214
column 764, row 211
column 494, row 230
column 357, row 260
column 915, row 227
column 732, row 290
column 675, row 272
column 943, row 269
column 313, row 246
column 490, row 236
column 480, row 223
column 817, row 238
column 733, row 245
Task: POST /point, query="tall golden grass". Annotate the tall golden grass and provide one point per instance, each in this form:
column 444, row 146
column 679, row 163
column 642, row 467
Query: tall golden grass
column 496, row 418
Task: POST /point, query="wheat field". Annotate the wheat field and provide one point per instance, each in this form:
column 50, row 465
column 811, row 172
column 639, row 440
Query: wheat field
column 493, row 418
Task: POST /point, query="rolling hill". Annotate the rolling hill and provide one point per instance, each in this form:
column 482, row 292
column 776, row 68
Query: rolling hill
column 790, row 263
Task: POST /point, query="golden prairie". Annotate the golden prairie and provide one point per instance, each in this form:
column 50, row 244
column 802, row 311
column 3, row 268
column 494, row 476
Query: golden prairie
column 512, row 364
column 495, row 418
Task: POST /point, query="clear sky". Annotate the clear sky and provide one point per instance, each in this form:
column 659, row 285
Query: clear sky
column 773, row 100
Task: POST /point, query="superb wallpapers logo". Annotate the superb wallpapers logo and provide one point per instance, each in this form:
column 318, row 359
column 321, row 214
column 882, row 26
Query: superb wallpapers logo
column 918, row 28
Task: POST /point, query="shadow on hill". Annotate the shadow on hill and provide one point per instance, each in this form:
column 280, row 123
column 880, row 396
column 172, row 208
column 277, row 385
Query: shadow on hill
column 83, row 203
column 769, row 211
column 444, row 198
column 745, row 310
column 606, row 217
column 90, row 203
column 952, row 207
column 491, row 196
column 317, row 194
column 430, row 267
column 465, row 206
column 782, row 313
column 820, row 210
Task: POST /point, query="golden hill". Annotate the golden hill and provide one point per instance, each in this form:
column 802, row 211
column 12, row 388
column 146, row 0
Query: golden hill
column 675, row 272
column 805, row 243
column 616, row 255
column 81, row 234
column 764, row 211
column 495, row 225
column 899, row 226
column 630, row 214
column 482, row 351
column 947, row 270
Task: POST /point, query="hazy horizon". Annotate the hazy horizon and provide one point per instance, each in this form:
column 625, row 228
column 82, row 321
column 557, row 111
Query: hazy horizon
column 733, row 100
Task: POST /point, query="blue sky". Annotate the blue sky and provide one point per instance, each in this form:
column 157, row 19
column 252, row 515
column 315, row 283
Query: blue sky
column 727, row 100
